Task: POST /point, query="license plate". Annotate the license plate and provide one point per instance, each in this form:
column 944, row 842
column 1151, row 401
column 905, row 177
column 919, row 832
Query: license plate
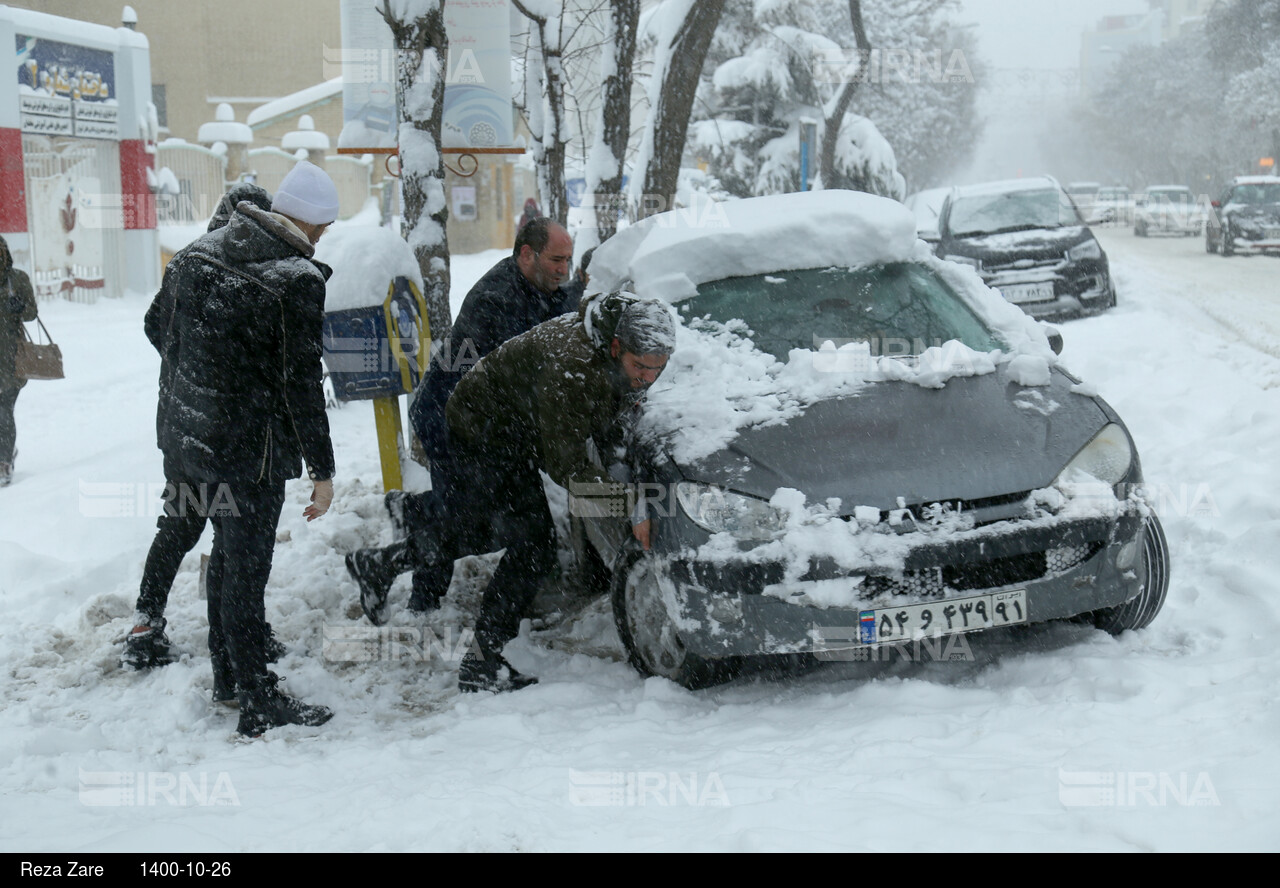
column 944, row 617
column 1027, row 292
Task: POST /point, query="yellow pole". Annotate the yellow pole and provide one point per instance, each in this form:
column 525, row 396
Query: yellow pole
column 386, row 417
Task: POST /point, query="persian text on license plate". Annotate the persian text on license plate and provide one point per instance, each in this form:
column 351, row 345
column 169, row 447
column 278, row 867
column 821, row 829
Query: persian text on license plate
column 1027, row 292
column 892, row 625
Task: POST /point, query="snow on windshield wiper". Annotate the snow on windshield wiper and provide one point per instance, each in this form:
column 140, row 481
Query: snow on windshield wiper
column 1026, row 226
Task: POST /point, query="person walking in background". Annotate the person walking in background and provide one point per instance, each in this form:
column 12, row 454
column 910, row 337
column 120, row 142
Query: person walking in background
column 17, row 304
column 180, row 526
column 244, row 408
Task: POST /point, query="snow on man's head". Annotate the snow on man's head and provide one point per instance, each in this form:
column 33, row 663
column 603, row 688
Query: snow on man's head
column 646, row 327
column 308, row 195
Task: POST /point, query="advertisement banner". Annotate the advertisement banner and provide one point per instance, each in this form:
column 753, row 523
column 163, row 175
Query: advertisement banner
column 66, row 90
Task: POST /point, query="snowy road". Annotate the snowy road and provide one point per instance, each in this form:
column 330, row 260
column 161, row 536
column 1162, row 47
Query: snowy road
column 1065, row 739
column 1240, row 293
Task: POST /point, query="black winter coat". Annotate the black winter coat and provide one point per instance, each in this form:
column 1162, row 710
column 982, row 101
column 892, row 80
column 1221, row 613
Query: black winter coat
column 17, row 304
column 501, row 305
column 244, row 401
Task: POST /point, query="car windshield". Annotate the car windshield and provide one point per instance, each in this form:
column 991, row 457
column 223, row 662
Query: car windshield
column 1113, row 194
column 1263, row 193
column 901, row 308
column 1011, row 211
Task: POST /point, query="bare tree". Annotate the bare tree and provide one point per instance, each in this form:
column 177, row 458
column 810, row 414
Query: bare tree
column 545, row 105
column 833, row 117
column 683, row 41
column 422, row 46
column 613, row 121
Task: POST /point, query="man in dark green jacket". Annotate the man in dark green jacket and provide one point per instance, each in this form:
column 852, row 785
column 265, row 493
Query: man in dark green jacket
column 17, row 304
column 531, row 405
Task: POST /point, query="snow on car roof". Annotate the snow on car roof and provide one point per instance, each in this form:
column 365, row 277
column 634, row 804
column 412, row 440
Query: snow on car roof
column 668, row 255
column 1005, row 186
column 1254, row 180
column 1167, row 188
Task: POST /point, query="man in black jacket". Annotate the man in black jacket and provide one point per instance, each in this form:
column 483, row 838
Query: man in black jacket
column 244, row 407
column 181, row 525
column 520, row 292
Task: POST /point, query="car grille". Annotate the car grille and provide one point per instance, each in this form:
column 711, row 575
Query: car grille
column 975, row 508
column 1022, row 265
column 992, row 574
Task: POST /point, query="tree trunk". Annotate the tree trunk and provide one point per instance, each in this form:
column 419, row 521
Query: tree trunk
column 615, row 118
column 831, row 125
column 670, row 116
column 422, row 47
column 550, row 148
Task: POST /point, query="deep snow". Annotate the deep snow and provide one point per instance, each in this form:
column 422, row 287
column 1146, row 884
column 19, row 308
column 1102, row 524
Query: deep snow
column 1060, row 739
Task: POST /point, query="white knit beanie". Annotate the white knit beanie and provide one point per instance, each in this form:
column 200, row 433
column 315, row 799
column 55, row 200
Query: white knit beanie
column 308, row 195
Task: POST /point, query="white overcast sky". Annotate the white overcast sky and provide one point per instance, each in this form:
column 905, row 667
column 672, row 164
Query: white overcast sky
column 1038, row 33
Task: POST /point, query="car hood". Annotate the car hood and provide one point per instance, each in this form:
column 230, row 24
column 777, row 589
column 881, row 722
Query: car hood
column 977, row 437
column 1009, row 246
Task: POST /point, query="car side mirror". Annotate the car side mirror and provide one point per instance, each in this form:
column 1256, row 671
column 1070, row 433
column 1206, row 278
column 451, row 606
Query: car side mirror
column 1055, row 338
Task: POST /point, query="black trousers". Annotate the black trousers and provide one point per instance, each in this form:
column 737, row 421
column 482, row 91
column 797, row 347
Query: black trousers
column 177, row 532
column 493, row 498
column 243, row 545
column 8, row 429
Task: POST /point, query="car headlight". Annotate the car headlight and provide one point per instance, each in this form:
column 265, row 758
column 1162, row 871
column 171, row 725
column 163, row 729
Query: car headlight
column 1107, row 457
column 718, row 510
column 965, row 260
column 1087, row 250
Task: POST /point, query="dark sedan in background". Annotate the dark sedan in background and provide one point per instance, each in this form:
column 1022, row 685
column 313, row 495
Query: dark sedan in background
column 1027, row 240
column 1246, row 218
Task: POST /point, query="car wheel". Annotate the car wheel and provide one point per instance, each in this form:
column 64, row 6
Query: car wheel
column 1228, row 243
column 1209, row 245
column 1140, row 230
column 642, row 589
column 1138, row 613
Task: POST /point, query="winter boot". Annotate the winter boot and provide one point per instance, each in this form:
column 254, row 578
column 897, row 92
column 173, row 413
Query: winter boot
column 263, row 707
column 6, row 473
column 399, row 506
column 374, row 570
column 147, row 646
column 490, row 673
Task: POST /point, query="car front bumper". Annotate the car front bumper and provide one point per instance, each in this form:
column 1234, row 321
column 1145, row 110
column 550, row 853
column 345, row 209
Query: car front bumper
column 725, row 610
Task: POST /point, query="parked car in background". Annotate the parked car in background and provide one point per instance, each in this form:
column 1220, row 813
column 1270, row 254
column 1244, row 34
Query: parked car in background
column 1113, row 205
column 926, row 205
column 860, row 445
column 1026, row 239
column 1084, row 195
column 1246, row 217
column 1168, row 209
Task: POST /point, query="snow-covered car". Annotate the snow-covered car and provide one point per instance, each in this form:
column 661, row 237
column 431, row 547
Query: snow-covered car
column 1084, row 195
column 1246, row 218
column 1113, row 205
column 1027, row 240
column 926, row 205
column 859, row 445
column 1168, row 209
